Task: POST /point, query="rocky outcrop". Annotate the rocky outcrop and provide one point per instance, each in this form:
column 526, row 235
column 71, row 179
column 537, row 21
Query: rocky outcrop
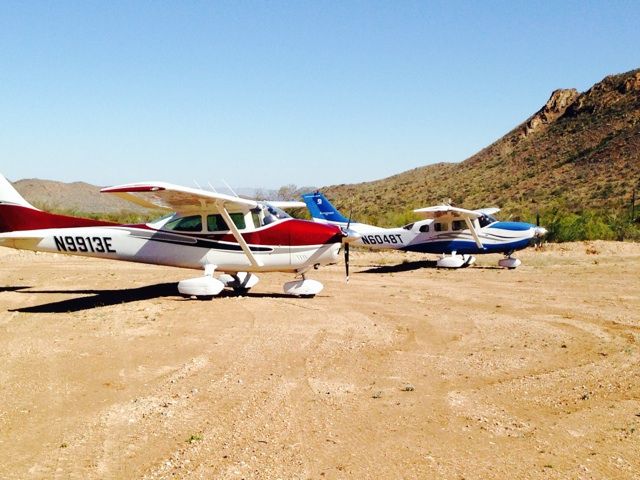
column 555, row 107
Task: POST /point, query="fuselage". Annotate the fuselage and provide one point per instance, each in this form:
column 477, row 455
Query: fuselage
column 286, row 244
column 438, row 237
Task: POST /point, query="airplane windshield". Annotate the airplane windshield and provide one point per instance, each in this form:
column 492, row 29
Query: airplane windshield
column 485, row 220
column 276, row 212
column 266, row 214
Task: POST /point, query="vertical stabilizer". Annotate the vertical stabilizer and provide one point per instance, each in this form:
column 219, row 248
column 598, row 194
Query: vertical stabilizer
column 10, row 195
column 322, row 209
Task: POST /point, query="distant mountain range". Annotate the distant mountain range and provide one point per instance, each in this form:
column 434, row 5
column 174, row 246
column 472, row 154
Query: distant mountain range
column 579, row 151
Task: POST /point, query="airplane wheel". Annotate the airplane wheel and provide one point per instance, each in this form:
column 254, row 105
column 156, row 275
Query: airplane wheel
column 241, row 292
column 204, row 297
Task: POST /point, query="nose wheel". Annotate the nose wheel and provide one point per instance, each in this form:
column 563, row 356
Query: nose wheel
column 510, row 262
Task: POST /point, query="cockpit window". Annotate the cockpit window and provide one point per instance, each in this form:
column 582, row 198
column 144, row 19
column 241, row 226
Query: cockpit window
column 408, row 226
column 185, row 224
column 268, row 214
column 281, row 214
column 485, row 220
column 215, row 223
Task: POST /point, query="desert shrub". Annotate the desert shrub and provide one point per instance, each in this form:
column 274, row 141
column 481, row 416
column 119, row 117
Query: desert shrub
column 566, row 226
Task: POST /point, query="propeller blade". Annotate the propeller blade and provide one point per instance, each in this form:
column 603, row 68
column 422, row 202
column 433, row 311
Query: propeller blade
column 346, row 260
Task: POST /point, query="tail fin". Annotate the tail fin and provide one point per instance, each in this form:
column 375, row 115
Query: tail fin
column 10, row 195
column 16, row 214
column 321, row 208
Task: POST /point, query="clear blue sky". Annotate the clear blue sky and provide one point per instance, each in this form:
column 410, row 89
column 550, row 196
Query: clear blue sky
column 270, row 93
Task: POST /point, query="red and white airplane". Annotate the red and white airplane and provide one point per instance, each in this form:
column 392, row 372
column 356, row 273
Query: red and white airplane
column 206, row 231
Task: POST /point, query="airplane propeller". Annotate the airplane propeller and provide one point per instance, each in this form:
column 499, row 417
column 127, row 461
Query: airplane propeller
column 349, row 236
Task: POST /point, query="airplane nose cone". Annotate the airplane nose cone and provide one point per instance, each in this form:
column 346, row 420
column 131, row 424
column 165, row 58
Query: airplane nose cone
column 350, row 235
column 540, row 231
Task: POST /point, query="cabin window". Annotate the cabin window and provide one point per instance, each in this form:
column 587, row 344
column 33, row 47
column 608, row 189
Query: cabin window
column 458, row 225
column 185, row 224
column 408, row 227
column 215, row 223
column 441, row 227
column 424, row 228
column 255, row 215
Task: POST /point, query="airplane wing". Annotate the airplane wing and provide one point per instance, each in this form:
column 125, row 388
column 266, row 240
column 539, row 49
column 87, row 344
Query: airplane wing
column 284, row 204
column 176, row 198
column 447, row 210
column 488, row 211
column 442, row 210
column 180, row 199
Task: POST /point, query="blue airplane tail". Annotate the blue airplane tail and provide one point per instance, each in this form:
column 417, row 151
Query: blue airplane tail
column 321, row 208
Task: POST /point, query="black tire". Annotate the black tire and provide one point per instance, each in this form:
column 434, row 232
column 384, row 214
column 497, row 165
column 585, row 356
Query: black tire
column 204, row 297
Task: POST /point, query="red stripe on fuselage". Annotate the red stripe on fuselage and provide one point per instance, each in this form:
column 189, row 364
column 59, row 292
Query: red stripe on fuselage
column 14, row 218
column 291, row 232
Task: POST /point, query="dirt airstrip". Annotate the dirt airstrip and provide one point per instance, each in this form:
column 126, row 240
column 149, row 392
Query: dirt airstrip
column 406, row 372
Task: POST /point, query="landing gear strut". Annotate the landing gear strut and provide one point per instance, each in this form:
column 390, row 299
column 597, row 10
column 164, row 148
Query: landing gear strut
column 241, row 282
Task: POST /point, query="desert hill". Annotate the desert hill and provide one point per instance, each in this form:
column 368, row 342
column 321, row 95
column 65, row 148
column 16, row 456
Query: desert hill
column 580, row 151
column 77, row 196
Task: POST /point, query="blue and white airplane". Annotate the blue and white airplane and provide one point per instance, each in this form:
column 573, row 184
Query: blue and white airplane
column 454, row 233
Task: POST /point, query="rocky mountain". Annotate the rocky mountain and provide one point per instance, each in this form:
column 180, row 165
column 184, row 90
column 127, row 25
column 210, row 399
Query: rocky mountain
column 580, row 151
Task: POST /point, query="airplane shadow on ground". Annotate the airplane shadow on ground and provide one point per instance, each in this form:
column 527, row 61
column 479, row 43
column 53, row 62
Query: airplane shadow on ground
column 104, row 298
column 401, row 267
column 99, row 298
column 409, row 266
column 13, row 289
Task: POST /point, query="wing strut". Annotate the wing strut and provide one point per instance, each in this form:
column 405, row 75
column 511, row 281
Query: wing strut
column 472, row 229
column 236, row 233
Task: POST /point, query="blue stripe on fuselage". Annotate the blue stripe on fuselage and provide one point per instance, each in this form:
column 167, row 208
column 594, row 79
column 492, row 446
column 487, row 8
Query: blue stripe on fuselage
column 462, row 246
column 512, row 226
